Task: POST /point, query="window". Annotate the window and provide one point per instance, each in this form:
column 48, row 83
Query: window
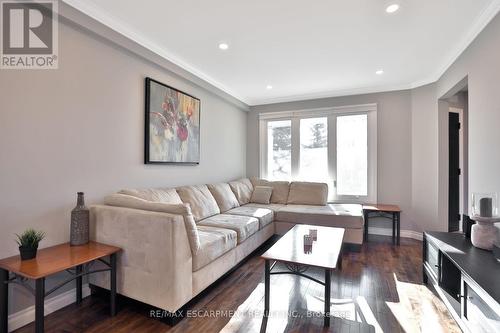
column 337, row 146
column 313, row 149
column 352, row 155
column 279, row 149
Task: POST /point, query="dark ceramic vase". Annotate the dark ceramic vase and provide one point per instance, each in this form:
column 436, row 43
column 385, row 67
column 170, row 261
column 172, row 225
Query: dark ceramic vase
column 79, row 233
column 27, row 253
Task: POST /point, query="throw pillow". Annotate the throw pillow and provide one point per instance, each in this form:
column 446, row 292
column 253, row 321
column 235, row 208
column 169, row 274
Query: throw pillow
column 261, row 194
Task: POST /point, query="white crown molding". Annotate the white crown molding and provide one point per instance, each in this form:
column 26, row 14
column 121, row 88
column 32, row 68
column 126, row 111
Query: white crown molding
column 122, row 28
column 330, row 94
column 108, row 20
column 481, row 22
column 26, row 316
column 486, row 16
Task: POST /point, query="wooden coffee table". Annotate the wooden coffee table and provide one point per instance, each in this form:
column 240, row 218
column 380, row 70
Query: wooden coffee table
column 53, row 260
column 326, row 254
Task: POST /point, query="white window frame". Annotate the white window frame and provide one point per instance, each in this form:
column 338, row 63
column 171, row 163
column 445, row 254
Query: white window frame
column 331, row 113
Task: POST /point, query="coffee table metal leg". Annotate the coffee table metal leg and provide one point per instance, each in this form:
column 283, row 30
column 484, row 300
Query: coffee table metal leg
column 327, row 297
column 39, row 304
column 267, row 282
column 4, row 300
column 112, row 262
column 79, row 270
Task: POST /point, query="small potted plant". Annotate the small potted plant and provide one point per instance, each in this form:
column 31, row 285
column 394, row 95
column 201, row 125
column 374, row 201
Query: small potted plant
column 28, row 243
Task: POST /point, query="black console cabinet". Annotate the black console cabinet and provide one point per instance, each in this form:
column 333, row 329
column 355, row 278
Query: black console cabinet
column 466, row 278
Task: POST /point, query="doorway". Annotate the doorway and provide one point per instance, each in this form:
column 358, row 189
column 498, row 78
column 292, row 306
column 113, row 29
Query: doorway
column 453, row 185
column 454, row 170
column 458, row 203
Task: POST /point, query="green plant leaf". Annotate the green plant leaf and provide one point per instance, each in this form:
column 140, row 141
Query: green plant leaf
column 30, row 238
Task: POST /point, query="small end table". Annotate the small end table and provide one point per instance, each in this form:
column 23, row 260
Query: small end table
column 380, row 209
column 76, row 260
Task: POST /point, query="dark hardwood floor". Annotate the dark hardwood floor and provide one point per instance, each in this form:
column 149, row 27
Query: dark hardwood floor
column 378, row 290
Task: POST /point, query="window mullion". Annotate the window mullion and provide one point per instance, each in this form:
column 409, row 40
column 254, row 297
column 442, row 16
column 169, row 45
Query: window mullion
column 332, row 156
column 295, row 147
column 263, row 153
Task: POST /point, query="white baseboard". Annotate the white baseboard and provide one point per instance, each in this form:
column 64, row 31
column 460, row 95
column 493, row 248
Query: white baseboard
column 26, row 316
column 388, row 232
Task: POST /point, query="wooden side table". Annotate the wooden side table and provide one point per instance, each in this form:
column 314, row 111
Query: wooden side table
column 77, row 260
column 393, row 210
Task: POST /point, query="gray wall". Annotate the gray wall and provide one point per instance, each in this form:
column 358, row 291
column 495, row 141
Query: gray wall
column 424, row 158
column 394, row 142
column 81, row 128
column 479, row 65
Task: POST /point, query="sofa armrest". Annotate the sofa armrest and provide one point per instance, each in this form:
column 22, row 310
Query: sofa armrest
column 128, row 201
column 155, row 266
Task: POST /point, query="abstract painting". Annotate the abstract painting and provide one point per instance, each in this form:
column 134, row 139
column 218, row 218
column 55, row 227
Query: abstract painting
column 172, row 125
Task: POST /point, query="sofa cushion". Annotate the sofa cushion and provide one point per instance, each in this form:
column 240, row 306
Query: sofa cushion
column 304, row 193
column 242, row 189
column 264, row 215
column 224, row 196
column 202, row 202
column 128, row 201
column 214, row 242
column 165, row 195
column 332, row 215
column 273, row 207
column 280, row 189
column 261, row 194
column 244, row 226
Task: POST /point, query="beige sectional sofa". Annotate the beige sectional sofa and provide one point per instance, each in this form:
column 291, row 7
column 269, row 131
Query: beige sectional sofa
column 176, row 242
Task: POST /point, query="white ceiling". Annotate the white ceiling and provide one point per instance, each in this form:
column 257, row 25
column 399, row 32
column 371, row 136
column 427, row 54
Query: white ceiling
column 304, row 49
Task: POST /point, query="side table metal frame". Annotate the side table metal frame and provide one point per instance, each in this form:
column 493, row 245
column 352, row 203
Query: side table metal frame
column 396, row 225
column 40, row 294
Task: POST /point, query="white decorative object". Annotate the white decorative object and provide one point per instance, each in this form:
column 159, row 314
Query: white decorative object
column 484, row 233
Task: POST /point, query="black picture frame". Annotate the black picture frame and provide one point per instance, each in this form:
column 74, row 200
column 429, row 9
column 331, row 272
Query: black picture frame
column 147, row 135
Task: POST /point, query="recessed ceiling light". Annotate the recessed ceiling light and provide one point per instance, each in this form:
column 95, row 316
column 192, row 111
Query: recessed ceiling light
column 223, row 46
column 392, row 8
column 379, row 72
column 269, row 87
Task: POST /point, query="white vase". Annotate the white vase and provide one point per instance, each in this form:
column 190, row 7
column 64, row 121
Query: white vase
column 483, row 234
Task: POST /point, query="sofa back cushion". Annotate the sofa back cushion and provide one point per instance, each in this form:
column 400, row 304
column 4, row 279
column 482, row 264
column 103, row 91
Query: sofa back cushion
column 224, row 196
column 164, row 195
column 242, row 189
column 280, row 189
column 304, row 193
column 200, row 199
column 261, row 194
column 129, row 201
